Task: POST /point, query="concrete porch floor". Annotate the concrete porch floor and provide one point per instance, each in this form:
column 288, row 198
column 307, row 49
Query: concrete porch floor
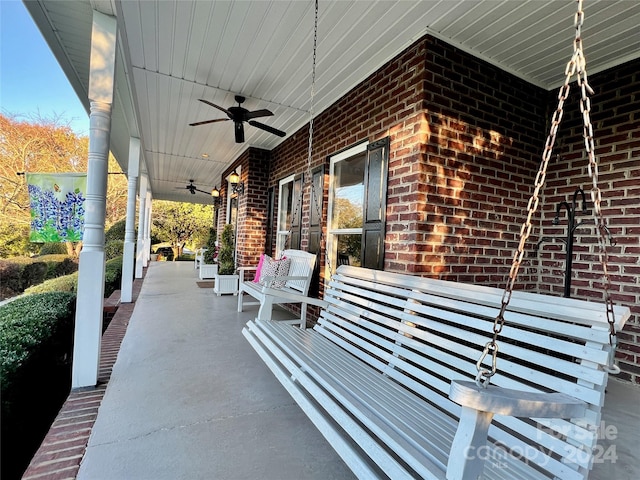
column 188, row 398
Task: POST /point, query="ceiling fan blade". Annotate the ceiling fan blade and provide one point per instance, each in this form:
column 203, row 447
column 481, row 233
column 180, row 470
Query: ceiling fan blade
column 217, row 106
column 202, row 191
column 239, row 129
column 208, row 121
column 259, row 113
column 267, row 128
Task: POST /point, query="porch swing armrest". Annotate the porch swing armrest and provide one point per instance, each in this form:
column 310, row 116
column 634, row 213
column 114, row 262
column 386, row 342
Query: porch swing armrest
column 294, row 297
column 281, row 278
column 515, row 403
column 480, row 404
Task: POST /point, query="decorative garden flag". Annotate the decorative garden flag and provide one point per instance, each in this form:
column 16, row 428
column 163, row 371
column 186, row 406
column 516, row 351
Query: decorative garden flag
column 57, row 206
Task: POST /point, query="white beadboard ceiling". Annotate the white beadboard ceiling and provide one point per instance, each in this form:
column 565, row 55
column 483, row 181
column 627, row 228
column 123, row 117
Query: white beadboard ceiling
column 173, row 52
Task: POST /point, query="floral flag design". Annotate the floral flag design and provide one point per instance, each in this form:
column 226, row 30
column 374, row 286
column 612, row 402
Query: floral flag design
column 57, row 206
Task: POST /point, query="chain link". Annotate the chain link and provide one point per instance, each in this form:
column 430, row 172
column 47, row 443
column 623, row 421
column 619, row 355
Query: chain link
column 308, row 178
column 576, row 65
column 596, row 194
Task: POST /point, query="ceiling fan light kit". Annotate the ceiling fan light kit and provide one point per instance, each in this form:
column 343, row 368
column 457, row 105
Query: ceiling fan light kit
column 239, row 115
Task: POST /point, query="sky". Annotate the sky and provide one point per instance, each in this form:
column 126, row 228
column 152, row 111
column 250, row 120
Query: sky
column 32, row 83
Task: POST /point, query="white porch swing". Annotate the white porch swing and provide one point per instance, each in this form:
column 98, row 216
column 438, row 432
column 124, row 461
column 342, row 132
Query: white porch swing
column 385, row 374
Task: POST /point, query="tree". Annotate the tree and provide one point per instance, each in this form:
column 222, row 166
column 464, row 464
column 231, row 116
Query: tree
column 181, row 224
column 43, row 145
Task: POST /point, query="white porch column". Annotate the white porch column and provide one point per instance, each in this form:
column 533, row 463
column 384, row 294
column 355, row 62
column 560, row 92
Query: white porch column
column 88, row 324
column 142, row 215
column 126, row 286
column 147, row 231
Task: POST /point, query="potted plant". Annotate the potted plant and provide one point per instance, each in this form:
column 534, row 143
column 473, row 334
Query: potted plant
column 226, row 280
column 209, row 265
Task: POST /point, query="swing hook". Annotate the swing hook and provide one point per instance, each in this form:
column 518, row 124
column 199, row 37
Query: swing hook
column 483, row 377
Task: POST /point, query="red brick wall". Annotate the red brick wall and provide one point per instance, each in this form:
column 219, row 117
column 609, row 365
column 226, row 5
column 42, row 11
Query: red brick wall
column 466, row 142
column 456, row 207
column 385, row 104
column 252, row 205
column 615, row 116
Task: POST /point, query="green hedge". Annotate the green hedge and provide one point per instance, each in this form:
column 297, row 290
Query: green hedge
column 53, row 248
column 36, row 342
column 26, row 324
column 69, row 283
column 66, row 283
column 112, row 276
column 19, row 273
column 113, row 249
column 58, row 265
column 116, row 231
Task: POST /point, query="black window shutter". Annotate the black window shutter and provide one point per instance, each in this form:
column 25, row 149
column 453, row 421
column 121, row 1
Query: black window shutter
column 375, row 204
column 296, row 214
column 269, row 227
column 315, row 223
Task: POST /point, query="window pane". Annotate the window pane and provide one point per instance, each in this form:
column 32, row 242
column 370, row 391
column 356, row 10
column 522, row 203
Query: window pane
column 349, row 247
column 281, row 242
column 348, row 193
column 285, row 207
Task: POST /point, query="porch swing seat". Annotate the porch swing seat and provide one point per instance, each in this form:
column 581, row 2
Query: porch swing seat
column 384, row 371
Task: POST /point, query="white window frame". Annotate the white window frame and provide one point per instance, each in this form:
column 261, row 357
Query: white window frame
column 280, row 233
column 332, row 233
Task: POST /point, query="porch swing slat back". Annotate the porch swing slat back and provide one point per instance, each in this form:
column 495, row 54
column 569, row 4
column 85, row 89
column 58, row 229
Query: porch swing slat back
column 375, row 374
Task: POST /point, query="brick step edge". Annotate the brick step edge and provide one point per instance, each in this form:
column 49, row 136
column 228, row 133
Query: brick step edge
column 63, row 448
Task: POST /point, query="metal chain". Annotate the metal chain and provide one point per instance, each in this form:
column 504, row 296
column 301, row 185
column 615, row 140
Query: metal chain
column 313, row 92
column 596, row 194
column 306, row 177
column 309, row 175
column 577, row 65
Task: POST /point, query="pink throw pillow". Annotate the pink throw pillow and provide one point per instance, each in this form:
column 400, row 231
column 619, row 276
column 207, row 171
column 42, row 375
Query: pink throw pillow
column 259, row 269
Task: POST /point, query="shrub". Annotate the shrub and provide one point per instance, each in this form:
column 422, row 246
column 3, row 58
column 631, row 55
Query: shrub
column 66, row 283
column 226, row 263
column 36, row 338
column 211, row 254
column 34, row 273
column 53, row 248
column 14, row 240
column 10, row 278
column 26, row 324
column 58, row 265
column 69, row 283
column 115, row 231
column 113, row 249
column 112, row 276
column 25, row 272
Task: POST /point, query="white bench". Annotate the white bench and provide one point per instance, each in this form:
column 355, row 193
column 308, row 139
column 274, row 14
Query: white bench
column 296, row 287
column 377, row 373
column 199, row 257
